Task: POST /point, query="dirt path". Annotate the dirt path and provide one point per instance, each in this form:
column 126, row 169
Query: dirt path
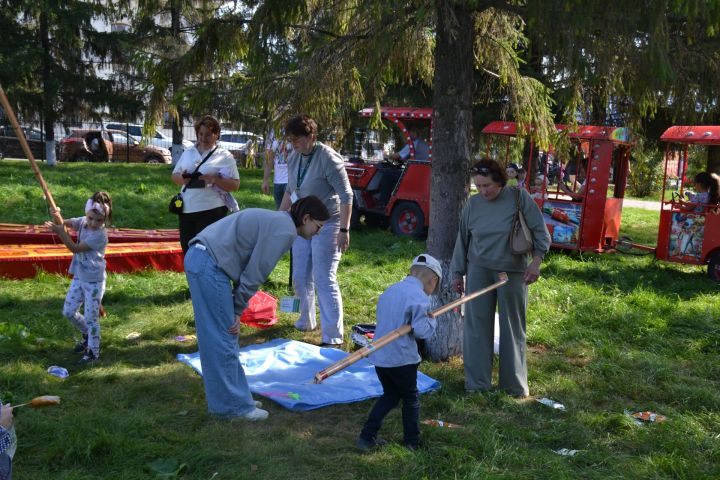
column 646, row 204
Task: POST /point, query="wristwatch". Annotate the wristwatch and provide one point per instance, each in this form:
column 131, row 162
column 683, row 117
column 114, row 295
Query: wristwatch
column 344, row 230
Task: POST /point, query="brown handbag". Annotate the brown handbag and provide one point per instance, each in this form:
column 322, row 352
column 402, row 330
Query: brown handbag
column 521, row 241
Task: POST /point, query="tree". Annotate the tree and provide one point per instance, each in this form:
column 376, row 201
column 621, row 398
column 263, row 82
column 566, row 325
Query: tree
column 150, row 57
column 328, row 57
column 638, row 59
column 48, row 58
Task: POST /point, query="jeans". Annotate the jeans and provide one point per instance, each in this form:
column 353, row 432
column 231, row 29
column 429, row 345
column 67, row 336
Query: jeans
column 226, row 388
column 278, row 193
column 193, row 223
column 315, row 264
column 399, row 383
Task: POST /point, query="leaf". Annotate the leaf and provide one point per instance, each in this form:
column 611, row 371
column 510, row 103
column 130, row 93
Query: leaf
column 166, row 467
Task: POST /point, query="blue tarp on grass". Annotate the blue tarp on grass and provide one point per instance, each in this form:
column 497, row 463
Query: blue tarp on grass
column 282, row 370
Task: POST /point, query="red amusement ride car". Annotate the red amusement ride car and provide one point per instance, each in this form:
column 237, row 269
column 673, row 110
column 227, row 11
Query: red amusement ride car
column 398, row 191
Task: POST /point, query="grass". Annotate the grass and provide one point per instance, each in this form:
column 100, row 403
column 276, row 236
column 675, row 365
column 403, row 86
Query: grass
column 605, row 332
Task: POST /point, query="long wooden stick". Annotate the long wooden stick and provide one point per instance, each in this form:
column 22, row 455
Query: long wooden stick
column 26, row 148
column 399, row 332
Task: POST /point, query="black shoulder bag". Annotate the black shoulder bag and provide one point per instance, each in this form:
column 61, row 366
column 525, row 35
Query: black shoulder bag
column 176, row 202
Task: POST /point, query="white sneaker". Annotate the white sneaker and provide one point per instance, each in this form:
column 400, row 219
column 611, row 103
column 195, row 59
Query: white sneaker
column 256, row 415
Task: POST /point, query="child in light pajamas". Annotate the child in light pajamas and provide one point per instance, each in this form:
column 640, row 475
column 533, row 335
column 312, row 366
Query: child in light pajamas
column 88, row 269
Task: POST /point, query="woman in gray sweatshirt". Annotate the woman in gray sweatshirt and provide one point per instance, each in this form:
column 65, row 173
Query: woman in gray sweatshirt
column 481, row 251
column 225, row 265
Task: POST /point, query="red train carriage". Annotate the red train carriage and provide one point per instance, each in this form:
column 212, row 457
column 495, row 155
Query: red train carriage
column 586, row 214
column 688, row 232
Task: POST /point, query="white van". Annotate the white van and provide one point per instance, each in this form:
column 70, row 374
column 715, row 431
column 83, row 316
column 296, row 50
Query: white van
column 135, row 130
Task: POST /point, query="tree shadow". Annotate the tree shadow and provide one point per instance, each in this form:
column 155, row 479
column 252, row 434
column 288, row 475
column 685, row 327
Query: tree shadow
column 610, row 272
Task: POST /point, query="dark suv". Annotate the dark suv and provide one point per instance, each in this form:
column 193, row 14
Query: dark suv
column 10, row 145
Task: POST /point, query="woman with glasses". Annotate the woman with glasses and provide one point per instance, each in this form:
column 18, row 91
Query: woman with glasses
column 482, row 249
column 225, row 265
column 316, row 169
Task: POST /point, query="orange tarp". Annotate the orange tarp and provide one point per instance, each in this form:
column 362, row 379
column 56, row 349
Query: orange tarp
column 23, row 261
column 12, row 233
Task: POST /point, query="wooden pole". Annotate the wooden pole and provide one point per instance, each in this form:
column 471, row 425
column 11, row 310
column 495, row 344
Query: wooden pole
column 26, row 148
column 399, row 332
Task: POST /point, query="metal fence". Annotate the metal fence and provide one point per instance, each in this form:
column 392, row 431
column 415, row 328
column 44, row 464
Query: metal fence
column 247, row 155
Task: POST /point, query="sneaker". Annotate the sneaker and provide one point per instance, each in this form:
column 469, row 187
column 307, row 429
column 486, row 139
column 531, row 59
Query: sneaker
column 81, row 346
column 88, row 359
column 255, row 415
column 364, row 444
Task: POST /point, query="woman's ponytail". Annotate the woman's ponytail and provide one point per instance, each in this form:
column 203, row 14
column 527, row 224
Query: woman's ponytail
column 310, row 205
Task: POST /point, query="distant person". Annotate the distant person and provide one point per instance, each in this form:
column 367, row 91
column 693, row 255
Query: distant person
column 204, row 165
column 98, row 147
column 225, row 265
column 404, row 303
column 88, row 270
column 521, row 175
column 577, row 190
column 706, row 186
column 422, row 151
column 316, row 169
column 276, row 156
column 8, row 442
column 512, row 172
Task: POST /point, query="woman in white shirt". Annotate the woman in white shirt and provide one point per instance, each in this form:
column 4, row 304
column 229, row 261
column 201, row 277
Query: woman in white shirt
column 202, row 204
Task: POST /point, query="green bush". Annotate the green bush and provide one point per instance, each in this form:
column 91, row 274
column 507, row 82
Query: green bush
column 645, row 171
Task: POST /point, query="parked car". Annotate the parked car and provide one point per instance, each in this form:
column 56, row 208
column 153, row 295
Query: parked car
column 109, row 146
column 240, row 144
column 10, row 145
column 158, row 139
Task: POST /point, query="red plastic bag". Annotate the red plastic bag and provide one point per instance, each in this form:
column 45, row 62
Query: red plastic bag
column 261, row 311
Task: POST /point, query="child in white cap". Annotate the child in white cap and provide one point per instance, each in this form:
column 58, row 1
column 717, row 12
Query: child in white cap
column 404, row 303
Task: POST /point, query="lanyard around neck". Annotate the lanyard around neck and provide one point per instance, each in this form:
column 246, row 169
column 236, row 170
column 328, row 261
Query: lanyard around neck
column 302, row 171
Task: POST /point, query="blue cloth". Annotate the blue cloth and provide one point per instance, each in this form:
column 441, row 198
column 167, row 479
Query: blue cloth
column 226, row 388
column 283, row 371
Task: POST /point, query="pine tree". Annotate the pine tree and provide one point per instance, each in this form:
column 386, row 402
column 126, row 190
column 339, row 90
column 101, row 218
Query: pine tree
column 48, row 61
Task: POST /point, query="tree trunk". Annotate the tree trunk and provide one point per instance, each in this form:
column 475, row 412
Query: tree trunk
column 49, row 91
column 178, row 82
column 452, row 124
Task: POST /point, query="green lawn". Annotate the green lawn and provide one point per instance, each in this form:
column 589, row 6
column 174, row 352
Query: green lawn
column 606, row 333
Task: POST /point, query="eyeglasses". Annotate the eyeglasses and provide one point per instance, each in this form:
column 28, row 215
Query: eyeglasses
column 480, row 171
column 318, row 225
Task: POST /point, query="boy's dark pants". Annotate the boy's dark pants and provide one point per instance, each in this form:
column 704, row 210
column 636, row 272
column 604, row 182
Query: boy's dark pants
column 398, row 383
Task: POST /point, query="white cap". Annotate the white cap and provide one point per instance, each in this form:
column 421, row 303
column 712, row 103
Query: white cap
column 428, row 261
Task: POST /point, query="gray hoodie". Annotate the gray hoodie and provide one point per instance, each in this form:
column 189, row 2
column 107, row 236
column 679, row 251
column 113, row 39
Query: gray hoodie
column 246, row 246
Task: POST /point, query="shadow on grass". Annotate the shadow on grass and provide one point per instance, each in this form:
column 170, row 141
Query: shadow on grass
column 613, row 272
